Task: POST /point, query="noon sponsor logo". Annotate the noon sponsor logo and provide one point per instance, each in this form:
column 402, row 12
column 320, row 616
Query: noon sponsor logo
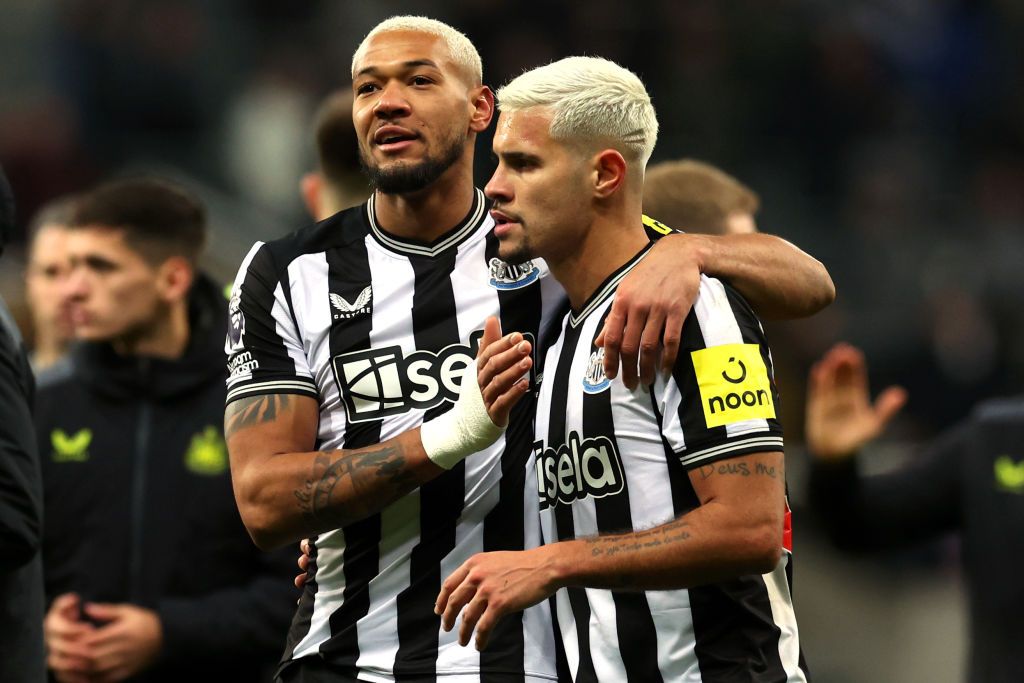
column 734, row 385
column 576, row 470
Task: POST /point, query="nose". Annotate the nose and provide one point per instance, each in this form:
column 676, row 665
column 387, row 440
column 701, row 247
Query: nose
column 75, row 285
column 498, row 188
column 391, row 102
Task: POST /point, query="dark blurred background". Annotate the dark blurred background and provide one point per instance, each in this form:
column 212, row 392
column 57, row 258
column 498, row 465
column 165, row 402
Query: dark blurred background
column 885, row 138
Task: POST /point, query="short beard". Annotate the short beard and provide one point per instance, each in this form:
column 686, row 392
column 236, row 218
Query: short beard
column 407, row 178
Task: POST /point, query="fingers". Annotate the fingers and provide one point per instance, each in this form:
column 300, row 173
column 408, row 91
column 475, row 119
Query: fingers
column 103, row 611
column 445, row 606
column 303, row 563
column 671, row 340
column 304, row 546
column 501, row 378
column 650, row 346
column 888, row 403
column 630, row 349
column 610, row 338
column 492, row 333
column 471, row 613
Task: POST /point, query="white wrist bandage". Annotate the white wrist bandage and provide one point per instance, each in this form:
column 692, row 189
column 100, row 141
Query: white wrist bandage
column 463, row 430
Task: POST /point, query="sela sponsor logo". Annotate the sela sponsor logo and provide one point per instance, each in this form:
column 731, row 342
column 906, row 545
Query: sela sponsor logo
column 733, row 382
column 236, row 324
column 577, row 470
column 594, row 382
column 345, row 310
column 384, row 381
column 508, row 276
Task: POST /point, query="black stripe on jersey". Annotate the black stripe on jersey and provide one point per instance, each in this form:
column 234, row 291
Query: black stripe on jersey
column 684, row 498
column 520, row 310
column 435, row 326
column 737, row 639
column 564, row 527
column 637, row 635
column 275, row 372
column 348, row 273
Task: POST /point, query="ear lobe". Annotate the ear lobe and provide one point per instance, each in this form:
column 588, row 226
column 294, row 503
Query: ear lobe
column 482, row 100
column 311, row 186
column 610, row 172
column 176, row 276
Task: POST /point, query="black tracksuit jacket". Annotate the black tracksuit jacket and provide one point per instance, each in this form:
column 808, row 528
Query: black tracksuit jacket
column 969, row 480
column 139, row 507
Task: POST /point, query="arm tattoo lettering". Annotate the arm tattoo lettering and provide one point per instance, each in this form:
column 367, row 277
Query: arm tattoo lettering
column 375, row 473
column 740, row 468
column 247, row 412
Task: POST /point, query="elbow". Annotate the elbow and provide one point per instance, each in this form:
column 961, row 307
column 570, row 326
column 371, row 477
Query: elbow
column 763, row 548
column 259, row 516
column 825, row 293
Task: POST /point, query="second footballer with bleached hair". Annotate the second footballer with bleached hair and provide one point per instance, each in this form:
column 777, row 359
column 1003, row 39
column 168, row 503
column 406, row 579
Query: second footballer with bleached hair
column 663, row 508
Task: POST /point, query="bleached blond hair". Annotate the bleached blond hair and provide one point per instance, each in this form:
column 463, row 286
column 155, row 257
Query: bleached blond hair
column 462, row 50
column 590, row 99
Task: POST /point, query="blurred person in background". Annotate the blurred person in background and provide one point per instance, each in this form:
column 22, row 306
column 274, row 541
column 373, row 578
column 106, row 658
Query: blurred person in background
column 968, row 480
column 150, row 574
column 697, row 197
column 46, row 271
column 415, row 271
column 338, row 182
column 21, row 498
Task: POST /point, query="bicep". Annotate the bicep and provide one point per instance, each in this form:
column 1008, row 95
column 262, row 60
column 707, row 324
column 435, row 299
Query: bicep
column 260, row 426
column 752, row 484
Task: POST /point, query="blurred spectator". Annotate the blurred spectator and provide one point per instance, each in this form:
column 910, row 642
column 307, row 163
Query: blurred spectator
column 46, row 272
column 338, row 182
column 697, row 197
column 21, row 499
column 148, row 567
column 970, row 480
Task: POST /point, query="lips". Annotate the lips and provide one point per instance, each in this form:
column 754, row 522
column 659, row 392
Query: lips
column 502, row 222
column 392, row 135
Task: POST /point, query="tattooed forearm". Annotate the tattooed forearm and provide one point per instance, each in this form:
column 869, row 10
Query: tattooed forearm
column 376, row 474
column 743, row 469
column 247, row 412
column 672, row 532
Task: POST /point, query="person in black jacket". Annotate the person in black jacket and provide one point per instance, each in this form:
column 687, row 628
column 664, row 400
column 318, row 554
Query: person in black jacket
column 150, row 573
column 969, row 480
column 21, row 499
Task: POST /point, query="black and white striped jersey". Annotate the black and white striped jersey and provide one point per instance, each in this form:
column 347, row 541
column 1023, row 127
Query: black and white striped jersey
column 610, row 460
column 377, row 329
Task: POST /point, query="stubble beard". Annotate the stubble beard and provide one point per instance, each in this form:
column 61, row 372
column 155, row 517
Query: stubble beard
column 405, row 178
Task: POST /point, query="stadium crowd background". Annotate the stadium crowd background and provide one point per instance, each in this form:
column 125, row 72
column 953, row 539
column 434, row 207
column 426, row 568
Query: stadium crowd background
column 886, row 139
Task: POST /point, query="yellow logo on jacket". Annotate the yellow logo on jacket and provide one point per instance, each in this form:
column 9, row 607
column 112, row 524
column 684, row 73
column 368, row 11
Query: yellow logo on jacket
column 734, row 386
column 71, row 448
column 207, row 454
column 1009, row 474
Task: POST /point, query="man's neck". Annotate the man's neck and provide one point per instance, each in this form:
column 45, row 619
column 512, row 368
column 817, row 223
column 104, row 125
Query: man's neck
column 611, row 241
column 431, row 212
column 166, row 338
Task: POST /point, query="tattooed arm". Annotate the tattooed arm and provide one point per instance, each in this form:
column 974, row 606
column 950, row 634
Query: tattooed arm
column 736, row 530
column 286, row 491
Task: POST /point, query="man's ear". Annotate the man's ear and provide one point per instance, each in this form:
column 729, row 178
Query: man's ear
column 174, row 279
column 609, row 172
column 312, row 185
column 482, row 100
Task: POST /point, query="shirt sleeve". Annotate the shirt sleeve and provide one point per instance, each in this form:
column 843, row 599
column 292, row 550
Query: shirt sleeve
column 263, row 344
column 720, row 400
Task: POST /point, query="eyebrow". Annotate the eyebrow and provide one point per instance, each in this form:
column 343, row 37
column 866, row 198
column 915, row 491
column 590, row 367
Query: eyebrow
column 411, row 64
column 518, row 157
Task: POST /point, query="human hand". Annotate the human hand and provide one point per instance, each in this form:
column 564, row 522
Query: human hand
column 304, row 558
column 840, row 415
column 128, row 641
column 63, row 631
column 501, row 365
column 647, row 315
column 490, row 585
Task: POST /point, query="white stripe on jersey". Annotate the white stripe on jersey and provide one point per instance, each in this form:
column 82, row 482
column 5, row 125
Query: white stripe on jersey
column 718, row 326
column 785, row 618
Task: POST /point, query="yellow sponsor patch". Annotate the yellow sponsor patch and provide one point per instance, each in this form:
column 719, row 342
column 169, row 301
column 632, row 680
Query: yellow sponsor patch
column 733, row 383
column 656, row 225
